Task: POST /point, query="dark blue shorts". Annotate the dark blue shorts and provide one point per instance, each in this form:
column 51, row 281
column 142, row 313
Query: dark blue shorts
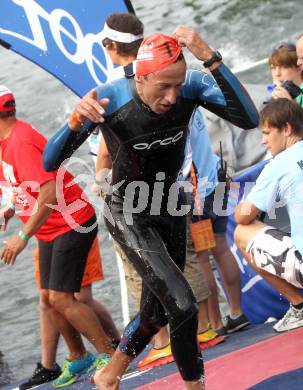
column 219, row 222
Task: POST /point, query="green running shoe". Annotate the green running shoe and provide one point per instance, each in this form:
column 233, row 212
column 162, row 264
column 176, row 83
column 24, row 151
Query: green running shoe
column 101, row 361
column 66, row 361
column 73, row 369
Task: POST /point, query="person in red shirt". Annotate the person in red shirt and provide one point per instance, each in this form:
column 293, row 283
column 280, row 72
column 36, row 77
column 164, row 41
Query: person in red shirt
column 55, row 210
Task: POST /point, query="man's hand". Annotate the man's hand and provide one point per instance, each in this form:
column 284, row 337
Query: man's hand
column 96, row 190
column 90, row 108
column 8, row 213
column 12, row 248
column 192, row 40
column 5, row 215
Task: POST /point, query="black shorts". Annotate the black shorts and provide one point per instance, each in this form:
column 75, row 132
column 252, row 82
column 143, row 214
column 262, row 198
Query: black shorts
column 62, row 261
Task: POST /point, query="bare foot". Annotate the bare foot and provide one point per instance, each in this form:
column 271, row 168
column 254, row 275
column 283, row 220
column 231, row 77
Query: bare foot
column 108, row 378
column 104, row 382
column 196, row 385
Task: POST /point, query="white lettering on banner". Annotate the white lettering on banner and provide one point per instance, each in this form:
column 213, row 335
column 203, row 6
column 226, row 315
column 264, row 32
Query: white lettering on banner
column 84, row 43
column 56, row 16
column 163, row 142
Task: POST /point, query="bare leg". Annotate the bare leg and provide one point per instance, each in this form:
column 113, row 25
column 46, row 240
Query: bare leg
column 49, row 335
column 245, row 233
column 71, row 336
column 109, row 377
column 161, row 339
column 82, row 318
column 196, row 385
column 86, row 296
column 213, row 304
column 203, row 316
column 230, row 274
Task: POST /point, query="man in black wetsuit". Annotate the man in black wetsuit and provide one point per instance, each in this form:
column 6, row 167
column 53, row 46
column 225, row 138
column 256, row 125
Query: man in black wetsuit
column 145, row 123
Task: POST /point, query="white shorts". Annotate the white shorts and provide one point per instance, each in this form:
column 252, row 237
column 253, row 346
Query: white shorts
column 274, row 251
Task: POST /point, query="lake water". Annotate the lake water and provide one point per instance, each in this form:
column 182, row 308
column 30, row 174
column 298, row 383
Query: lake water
column 244, row 31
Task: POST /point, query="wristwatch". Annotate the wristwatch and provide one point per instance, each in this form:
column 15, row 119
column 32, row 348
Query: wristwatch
column 214, row 58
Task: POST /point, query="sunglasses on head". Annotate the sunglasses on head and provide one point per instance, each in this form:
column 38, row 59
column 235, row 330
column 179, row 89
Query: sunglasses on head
column 286, row 45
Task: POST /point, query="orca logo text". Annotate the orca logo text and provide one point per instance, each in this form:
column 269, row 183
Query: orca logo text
column 159, row 142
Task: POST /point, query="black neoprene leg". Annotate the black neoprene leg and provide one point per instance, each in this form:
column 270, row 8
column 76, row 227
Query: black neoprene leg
column 156, row 248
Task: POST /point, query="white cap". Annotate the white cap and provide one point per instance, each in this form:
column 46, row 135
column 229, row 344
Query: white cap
column 4, row 90
column 119, row 36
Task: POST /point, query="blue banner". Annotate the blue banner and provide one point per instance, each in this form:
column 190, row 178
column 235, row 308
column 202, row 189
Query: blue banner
column 259, row 299
column 61, row 36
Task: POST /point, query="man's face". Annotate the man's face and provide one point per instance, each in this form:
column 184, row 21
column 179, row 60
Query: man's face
column 274, row 139
column 299, row 50
column 159, row 90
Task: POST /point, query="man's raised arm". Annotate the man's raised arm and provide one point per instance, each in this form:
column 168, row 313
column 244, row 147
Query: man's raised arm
column 235, row 105
column 89, row 112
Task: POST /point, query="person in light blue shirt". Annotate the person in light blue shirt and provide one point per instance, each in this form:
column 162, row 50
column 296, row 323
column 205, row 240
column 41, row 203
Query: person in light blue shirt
column 211, row 204
column 274, row 254
column 205, row 160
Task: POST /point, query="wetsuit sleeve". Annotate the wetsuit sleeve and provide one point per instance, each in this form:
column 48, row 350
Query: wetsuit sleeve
column 226, row 97
column 63, row 144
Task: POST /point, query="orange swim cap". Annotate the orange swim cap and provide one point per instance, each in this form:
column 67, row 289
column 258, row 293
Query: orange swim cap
column 156, row 52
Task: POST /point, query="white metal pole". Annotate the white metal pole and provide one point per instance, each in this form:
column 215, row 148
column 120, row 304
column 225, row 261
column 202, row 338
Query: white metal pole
column 245, row 68
column 123, row 291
